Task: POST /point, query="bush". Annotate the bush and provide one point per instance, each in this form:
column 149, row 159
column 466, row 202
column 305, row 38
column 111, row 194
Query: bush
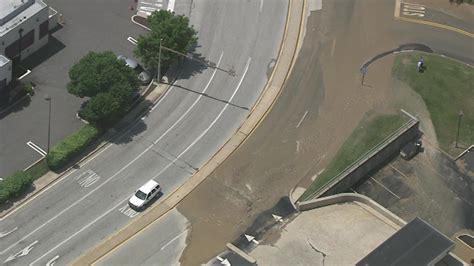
column 14, row 185
column 29, row 89
column 64, row 152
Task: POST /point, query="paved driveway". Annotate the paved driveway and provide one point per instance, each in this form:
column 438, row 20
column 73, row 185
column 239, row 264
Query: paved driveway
column 98, row 31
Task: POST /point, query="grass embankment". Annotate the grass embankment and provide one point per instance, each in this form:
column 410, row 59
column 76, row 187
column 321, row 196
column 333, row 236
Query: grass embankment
column 447, row 87
column 370, row 131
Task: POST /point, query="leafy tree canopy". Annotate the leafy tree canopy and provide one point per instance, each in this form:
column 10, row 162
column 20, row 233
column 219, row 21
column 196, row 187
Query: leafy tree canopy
column 103, row 109
column 174, row 32
column 99, row 72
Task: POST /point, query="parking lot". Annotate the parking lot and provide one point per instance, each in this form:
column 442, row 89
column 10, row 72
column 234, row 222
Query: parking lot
column 430, row 186
column 88, row 26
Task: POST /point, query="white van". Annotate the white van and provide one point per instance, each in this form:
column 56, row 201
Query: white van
column 144, row 194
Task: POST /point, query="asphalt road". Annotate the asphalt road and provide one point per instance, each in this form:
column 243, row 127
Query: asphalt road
column 190, row 122
column 302, row 130
column 105, row 27
column 157, row 245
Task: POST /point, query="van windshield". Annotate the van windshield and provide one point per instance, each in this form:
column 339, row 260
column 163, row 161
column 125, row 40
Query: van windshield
column 141, row 195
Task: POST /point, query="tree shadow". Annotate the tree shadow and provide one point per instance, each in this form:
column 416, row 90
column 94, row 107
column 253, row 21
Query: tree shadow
column 195, row 63
column 132, row 124
column 44, row 53
column 17, row 106
column 210, row 97
column 22, row 195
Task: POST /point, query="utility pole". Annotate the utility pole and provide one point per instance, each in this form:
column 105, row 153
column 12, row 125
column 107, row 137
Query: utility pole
column 48, row 98
column 158, row 74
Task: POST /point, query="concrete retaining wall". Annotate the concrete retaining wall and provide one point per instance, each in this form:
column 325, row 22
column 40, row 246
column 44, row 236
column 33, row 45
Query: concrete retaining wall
column 372, row 160
column 351, row 197
column 378, row 158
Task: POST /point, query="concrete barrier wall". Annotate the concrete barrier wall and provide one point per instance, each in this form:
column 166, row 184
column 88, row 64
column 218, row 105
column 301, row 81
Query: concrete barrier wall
column 374, row 161
column 350, row 197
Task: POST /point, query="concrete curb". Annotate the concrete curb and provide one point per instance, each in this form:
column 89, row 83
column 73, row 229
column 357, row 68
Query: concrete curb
column 109, row 136
column 284, row 64
column 241, row 253
column 377, row 209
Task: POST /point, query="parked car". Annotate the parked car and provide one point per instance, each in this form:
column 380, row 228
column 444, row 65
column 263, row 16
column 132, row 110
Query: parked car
column 143, row 75
column 144, row 194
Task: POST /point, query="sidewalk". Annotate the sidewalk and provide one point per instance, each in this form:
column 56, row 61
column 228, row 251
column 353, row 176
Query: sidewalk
column 285, row 61
column 152, row 94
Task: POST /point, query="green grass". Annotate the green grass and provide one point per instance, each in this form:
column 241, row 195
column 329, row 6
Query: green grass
column 447, row 87
column 370, row 131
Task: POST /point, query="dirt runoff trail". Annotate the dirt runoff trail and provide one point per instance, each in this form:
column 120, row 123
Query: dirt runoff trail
column 319, row 107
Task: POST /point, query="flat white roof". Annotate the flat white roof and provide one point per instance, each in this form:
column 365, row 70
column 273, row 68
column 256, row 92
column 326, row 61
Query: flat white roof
column 14, row 12
column 3, row 60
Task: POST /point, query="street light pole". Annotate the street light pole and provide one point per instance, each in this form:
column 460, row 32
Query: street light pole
column 159, row 64
column 459, row 126
column 47, row 98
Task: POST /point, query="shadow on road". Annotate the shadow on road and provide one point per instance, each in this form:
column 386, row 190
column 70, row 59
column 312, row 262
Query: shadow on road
column 211, row 97
column 44, row 53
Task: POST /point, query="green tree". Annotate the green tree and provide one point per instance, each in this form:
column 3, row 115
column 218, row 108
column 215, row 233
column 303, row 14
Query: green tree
column 174, row 32
column 99, row 72
column 103, row 109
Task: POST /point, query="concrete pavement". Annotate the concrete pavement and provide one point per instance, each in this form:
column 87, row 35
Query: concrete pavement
column 282, row 67
column 191, row 122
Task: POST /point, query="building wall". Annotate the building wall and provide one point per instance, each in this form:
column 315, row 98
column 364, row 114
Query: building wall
column 6, row 72
column 10, row 42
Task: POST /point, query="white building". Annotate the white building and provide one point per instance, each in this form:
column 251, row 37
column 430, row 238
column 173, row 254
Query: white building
column 24, row 28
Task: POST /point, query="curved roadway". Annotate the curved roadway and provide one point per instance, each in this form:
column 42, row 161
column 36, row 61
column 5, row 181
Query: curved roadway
column 320, row 105
column 189, row 124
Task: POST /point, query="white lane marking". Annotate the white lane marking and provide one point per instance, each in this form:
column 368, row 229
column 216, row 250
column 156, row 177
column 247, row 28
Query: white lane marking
column 389, row 191
column 413, row 10
column 88, row 160
column 251, row 238
column 106, row 181
column 297, row 146
column 22, row 252
column 213, row 122
column 78, row 232
column 87, row 178
column 333, row 47
column 132, row 40
column 171, row 5
column 301, row 120
column 4, row 234
column 128, row 211
column 52, row 261
column 192, row 105
column 261, row 6
column 36, row 148
column 78, row 201
column 172, row 240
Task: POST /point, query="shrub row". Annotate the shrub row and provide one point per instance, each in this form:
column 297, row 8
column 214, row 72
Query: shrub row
column 14, row 185
column 65, row 151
